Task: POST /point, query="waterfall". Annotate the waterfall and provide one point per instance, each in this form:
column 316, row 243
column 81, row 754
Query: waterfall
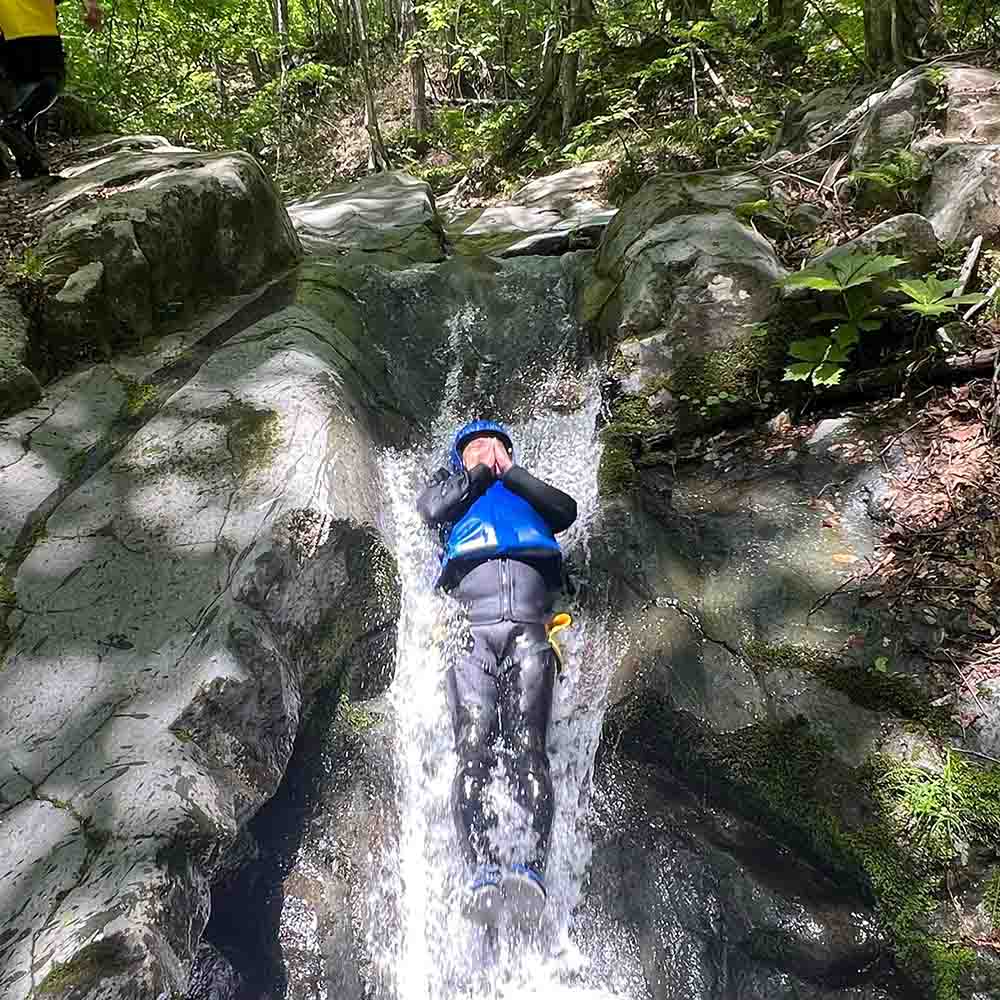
column 426, row 949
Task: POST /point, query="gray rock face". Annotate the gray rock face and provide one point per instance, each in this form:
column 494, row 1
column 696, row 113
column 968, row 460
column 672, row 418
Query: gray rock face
column 970, row 110
column 391, row 212
column 964, row 197
column 746, row 650
column 697, row 908
column 18, row 386
column 552, row 214
column 183, row 603
column 143, row 237
column 909, row 236
column 692, row 289
column 667, row 196
column 580, row 233
column 334, row 889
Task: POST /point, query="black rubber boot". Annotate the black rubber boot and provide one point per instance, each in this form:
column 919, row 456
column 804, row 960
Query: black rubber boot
column 26, row 154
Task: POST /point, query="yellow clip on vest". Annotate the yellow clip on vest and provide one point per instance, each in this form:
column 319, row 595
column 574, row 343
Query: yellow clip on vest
column 553, row 627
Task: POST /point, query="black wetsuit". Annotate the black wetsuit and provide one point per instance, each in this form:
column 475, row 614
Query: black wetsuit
column 500, row 687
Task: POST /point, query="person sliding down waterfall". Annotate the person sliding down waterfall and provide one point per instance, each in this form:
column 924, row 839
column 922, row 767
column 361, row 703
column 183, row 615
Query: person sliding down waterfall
column 501, row 561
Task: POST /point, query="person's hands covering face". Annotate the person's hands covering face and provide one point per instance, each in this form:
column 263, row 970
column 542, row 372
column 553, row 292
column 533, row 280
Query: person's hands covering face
column 488, row 451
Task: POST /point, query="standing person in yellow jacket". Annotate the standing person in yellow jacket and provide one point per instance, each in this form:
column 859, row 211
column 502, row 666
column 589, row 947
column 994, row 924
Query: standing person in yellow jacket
column 32, row 57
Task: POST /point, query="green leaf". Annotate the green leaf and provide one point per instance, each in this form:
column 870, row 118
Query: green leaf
column 856, row 268
column 813, row 350
column 928, row 308
column 807, row 279
column 846, row 335
column 748, row 209
column 881, row 664
column 798, row 372
column 828, row 374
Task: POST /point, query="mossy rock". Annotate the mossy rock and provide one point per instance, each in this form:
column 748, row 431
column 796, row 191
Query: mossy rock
column 85, row 970
column 844, row 820
column 868, row 687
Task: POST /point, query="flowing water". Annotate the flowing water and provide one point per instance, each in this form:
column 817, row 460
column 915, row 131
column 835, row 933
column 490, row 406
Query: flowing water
column 422, row 946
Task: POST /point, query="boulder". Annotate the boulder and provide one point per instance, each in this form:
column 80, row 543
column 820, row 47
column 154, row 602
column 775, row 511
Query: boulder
column 964, row 197
column 389, row 213
column 666, row 196
column 895, row 118
column 973, row 113
column 690, row 293
column 18, row 386
column 568, row 201
column 143, row 237
column 824, row 121
column 184, row 602
column 909, row 236
column 938, row 106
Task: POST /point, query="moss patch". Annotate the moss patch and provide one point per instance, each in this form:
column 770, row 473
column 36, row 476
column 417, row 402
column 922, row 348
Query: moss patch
column 617, row 472
column 254, row 435
column 138, row 396
column 359, row 720
column 87, row 968
column 730, row 380
column 869, row 688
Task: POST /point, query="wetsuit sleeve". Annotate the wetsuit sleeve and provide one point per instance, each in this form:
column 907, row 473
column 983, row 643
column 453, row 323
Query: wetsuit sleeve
column 447, row 496
column 558, row 508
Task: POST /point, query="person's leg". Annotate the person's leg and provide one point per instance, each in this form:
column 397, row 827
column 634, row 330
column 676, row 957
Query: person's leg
column 472, row 694
column 525, row 708
column 37, row 68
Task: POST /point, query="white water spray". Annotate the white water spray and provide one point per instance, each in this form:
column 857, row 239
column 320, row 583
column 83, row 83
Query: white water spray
column 421, row 945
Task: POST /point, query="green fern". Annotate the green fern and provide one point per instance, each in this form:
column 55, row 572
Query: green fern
column 991, row 901
column 899, row 173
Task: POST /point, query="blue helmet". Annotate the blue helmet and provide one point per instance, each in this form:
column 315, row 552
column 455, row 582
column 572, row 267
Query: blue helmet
column 474, row 429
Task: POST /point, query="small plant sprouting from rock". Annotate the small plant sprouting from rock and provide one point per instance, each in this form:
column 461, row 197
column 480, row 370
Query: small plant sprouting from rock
column 946, row 809
column 857, row 278
column 991, row 902
column 33, row 267
column 900, row 174
column 30, row 274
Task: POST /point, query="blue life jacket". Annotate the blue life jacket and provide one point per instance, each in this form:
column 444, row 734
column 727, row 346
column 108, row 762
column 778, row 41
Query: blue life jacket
column 499, row 523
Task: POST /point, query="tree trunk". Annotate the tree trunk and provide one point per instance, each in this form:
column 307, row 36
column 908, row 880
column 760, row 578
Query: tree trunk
column 580, row 15
column 697, row 10
column 897, row 32
column 419, row 119
column 220, row 84
column 378, row 158
column 787, row 14
column 256, row 65
column 279, row 21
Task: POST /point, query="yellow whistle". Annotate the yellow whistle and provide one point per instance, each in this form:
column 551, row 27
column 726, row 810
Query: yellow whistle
column 553, row 627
